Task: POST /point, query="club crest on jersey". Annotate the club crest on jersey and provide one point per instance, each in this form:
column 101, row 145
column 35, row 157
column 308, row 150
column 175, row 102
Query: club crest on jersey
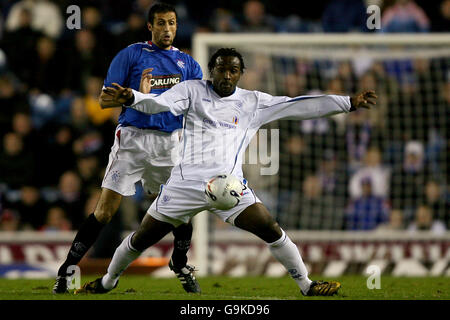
column 180, row 63
column 165, row 199
column 235, row 120
column 115, row 176
column 166, row 81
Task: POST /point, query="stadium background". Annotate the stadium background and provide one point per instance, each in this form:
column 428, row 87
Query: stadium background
column 383, row 170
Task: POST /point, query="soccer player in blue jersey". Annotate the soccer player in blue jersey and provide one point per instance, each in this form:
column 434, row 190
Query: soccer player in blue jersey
column 146, row 146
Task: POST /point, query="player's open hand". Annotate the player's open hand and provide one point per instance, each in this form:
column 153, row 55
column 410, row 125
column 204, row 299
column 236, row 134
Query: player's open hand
column 117, row 95
column 146, row 85
column 366, row 99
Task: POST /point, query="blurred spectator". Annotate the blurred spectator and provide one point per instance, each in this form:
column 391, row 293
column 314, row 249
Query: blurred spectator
column 344, row 16
column 315, row 210
column 358, row 136
column 404, row 16
column 43, row 108
column 20, row 44
column 441, row 23
column 9, row 220
column 135, row 31
column 46, row 69
column 347, row 76
column 45, row 17
column 223, row 20
column 83, row 61
column 79, row 119
column 32, row 207
column 436, row 200
column 57, row 156
column 88, row 143
column 395, row 222
column 293, row 85
column 22, row 125
column 142, row 6
column 16, row 163
column 424, row 222
column 11, row 101
column 295, row 164
column 71, row 198
column 332, row 175
column 375, row 171
column 91, row 19
column 255, row 18
column 89, row 171
column 56, row 220
column 367, row 211
column 96, row 114
column 408, row 180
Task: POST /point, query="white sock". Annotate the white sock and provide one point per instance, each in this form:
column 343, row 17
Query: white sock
column 124, row 255
column 286, row 252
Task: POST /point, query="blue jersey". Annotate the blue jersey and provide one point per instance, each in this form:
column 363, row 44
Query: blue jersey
column 169, row 68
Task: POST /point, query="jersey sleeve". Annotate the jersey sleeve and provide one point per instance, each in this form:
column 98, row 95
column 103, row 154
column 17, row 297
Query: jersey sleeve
column 175, row 100
column 119, row 69
column 272, row 108
column 195, row 70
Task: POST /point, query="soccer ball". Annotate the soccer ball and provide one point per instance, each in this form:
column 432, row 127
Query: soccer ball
column 224, row 191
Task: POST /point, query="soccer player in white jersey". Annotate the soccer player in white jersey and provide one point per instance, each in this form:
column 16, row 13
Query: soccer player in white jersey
column 145, row 146
column 221, row 109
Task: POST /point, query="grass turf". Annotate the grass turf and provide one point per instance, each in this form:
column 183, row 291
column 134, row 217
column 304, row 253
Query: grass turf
column 227, row 288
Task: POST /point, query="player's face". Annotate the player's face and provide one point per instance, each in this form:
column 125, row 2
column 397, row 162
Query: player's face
column 225, row 75
column 164, row 29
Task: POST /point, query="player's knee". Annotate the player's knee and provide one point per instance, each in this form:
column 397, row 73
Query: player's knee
column 103, row 216
column 273, row 231
column 107, row 206
column 138, row 241
column 269, row 231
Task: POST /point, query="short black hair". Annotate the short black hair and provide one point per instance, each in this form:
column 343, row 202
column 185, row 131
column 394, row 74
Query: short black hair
column 225, row 52
column 160, row 8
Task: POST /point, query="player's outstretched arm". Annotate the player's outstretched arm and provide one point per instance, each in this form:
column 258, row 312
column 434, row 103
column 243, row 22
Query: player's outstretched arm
column 107, row 100
column 174, row 100
column 272, row 108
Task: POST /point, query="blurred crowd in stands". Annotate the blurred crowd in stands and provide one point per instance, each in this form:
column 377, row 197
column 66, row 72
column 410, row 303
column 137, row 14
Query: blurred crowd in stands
column 386, row 169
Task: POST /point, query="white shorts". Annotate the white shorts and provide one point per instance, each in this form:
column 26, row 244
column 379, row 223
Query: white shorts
column 180, row 200
column 140, row 155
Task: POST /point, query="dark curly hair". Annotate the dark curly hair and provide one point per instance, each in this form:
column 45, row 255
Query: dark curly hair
column 225, row 52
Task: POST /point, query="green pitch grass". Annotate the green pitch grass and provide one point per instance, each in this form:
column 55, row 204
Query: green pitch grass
column 226, row 288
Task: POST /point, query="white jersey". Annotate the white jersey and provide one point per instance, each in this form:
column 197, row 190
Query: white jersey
column 217, row 130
